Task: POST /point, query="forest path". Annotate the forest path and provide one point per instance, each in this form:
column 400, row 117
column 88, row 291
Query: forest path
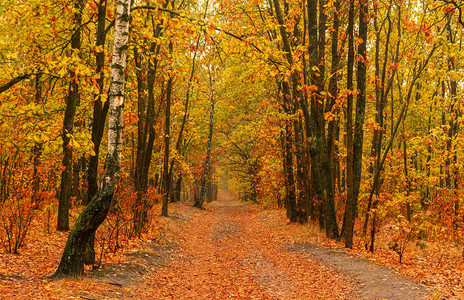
column 227, row 252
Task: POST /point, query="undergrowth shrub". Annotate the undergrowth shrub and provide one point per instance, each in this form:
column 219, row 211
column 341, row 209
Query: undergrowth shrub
column 119, row 226
column 16, row 207
column 16, row 216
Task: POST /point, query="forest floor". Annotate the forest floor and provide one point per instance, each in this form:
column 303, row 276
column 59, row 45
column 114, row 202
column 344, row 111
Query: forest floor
column 229, row 250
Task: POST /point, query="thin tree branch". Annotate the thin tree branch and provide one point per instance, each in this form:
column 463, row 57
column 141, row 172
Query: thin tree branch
column 202, row 24
column 13, row 81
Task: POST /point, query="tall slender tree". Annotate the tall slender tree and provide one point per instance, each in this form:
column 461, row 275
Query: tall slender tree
column 167, row 141
column 72, row 101
column 205, row 175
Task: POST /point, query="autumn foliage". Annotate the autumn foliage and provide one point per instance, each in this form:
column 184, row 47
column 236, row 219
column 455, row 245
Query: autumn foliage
column 347, row 114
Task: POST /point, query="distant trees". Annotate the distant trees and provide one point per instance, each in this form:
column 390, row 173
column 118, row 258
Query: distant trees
column 328, row 172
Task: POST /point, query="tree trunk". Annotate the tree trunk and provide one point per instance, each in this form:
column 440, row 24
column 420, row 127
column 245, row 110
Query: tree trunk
column 186, row 110
column 351, row 201
column 320, row 158
column 360, row 103
column 146, row 129
column 290, row 97
column 381, row 96
column 206, row 165
column 68, row 122
column 416, row 75
column 100, row 112
column 290, row 200
column 95, row 212
column 455, row 112
column 301, row 172
column 177, row 189
column 333, row 95
column 406, row 175
column 215, row 191
column 37, row 150
column 167, row 141
column 187, row 98
column 76, row 182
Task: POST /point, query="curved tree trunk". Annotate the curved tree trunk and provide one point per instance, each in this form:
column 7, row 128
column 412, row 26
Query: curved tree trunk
column 72, row 261
column 100, row 111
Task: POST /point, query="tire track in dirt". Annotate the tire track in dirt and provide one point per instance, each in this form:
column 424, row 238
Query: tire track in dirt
column 207, row 265
column 276, row 283
column 283, row 273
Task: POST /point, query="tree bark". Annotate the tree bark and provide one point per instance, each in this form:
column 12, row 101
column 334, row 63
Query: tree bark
column 381, row 103
column 37, row 150
column 351, row 201
column 320, row 159
column 186, row 109
column 417, row 74
column 13, row 82
column 177, row 189
column 290, row 97
column 146, row 130
column 100, row 109
column 360, row 102
column 333, row 94
column 68, row 123
column 452, row 171
column 290, row 200
column 167, row 141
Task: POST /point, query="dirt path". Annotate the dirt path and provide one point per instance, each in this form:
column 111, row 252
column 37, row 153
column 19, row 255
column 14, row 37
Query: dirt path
column 227, row 253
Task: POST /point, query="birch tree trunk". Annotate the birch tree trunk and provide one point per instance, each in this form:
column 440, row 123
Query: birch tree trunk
column 72, row 261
